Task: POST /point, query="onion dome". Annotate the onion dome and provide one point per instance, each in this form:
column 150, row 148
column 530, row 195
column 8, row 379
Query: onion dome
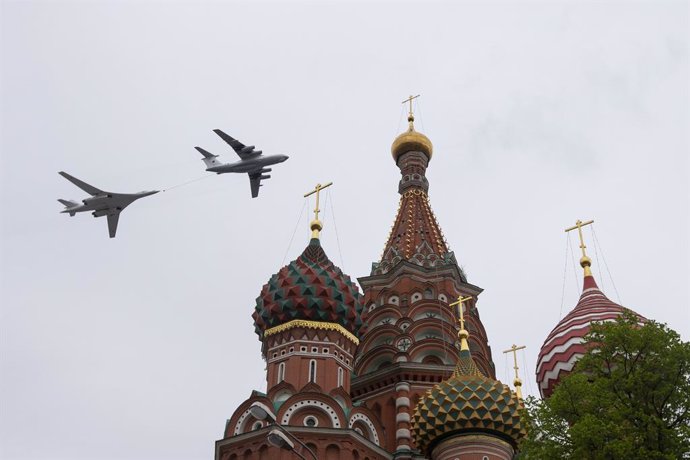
column 411, row 141
column 468, row 402
column 309, row 288
column 566, row 342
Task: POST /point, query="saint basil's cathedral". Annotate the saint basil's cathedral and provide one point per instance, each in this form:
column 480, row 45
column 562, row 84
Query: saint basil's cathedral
column 402, row 370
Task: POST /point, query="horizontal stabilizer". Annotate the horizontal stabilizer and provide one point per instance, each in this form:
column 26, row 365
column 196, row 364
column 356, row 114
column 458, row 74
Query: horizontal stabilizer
column 68, row 203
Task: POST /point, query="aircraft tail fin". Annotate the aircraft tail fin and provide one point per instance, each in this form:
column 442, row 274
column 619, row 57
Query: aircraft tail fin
column 209, row 159
column 69, row 204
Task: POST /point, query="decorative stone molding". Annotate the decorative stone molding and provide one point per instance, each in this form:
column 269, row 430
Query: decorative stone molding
column 372, row 429
column 311, row 403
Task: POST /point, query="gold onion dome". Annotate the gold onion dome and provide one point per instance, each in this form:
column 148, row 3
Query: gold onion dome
column 411, row 141
column 468, row 402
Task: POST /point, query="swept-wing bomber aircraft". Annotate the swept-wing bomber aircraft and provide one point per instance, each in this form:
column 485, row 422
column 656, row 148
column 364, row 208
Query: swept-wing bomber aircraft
column 101, row 203
column 251, row 162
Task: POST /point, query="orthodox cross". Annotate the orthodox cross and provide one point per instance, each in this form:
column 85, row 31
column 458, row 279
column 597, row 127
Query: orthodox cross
column 317, row 190
column 459, row 303
column 578, row 225
column 410, row 99
column 517, row 382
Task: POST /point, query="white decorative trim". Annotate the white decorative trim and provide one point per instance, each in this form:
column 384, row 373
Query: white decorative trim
column 240, row 422
column 311, row 403
column 368, row 423
column 402, row 433
column 558, row 349
column 311, row 417
column 402, row 417
column 402, row 386
column 402, row 401
column 566, row 366
column 578, row 322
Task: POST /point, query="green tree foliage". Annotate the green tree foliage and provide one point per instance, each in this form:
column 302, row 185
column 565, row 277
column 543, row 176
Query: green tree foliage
column 627, row 398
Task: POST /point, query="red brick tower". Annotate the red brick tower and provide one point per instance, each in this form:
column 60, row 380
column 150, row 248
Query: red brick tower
column 409, row 337
column 307, row 316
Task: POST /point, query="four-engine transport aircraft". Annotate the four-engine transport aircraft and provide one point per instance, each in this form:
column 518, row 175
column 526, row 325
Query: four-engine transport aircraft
column 101, row 203
column 251, row 162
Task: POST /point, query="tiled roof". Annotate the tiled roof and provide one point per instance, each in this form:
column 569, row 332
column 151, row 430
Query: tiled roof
column 309, row 288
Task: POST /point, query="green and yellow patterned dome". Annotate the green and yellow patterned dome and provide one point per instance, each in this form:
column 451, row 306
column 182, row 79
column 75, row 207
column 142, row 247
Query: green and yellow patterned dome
column 468, row 402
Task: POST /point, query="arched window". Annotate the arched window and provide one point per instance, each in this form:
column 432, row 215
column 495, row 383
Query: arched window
column 312, row 370
column 332, row 452
column 340, row 376
column 281, row 372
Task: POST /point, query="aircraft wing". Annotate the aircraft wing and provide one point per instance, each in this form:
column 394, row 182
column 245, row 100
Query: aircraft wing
column 255, row 183
column 112, row 223
column 91, row 190
column 255, row 180
column 236, row 145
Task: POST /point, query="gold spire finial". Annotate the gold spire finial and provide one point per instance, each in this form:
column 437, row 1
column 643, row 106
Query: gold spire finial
column 316, row 224
column 462, row 333
column 517, row 382
column 410, row 116
column 585, row 262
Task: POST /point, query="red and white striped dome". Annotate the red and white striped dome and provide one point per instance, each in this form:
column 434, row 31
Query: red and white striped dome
column 565, row 344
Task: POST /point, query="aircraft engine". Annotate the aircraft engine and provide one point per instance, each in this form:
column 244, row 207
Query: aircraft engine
column 247, row 149
column 101, row 213
column 94, row 199
column 265, row 176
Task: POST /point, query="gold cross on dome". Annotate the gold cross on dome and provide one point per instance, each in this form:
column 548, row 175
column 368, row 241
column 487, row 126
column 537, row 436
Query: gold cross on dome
column 315, row 224
column 461, row 300
column 514, row 350
column 517, row 382
column 578, row 225
column 410, row 99
column 317, row 190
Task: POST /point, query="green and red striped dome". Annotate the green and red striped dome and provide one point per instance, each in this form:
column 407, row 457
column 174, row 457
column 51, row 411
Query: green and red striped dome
column 309, row 288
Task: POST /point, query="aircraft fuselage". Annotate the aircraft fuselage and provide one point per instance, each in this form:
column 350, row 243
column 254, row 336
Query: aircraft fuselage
column 248, row 166
column 107, row 203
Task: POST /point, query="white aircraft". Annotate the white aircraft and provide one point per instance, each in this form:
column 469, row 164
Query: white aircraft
column 101, row 203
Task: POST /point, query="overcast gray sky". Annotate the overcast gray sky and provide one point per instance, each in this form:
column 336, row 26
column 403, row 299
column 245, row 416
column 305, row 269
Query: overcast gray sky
column 142, row 346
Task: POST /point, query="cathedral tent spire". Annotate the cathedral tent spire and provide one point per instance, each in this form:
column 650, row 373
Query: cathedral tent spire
column 416, row 236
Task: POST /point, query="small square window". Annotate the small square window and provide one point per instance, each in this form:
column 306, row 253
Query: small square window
column 325, row 350
column 314, row 349
column 303, row 349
